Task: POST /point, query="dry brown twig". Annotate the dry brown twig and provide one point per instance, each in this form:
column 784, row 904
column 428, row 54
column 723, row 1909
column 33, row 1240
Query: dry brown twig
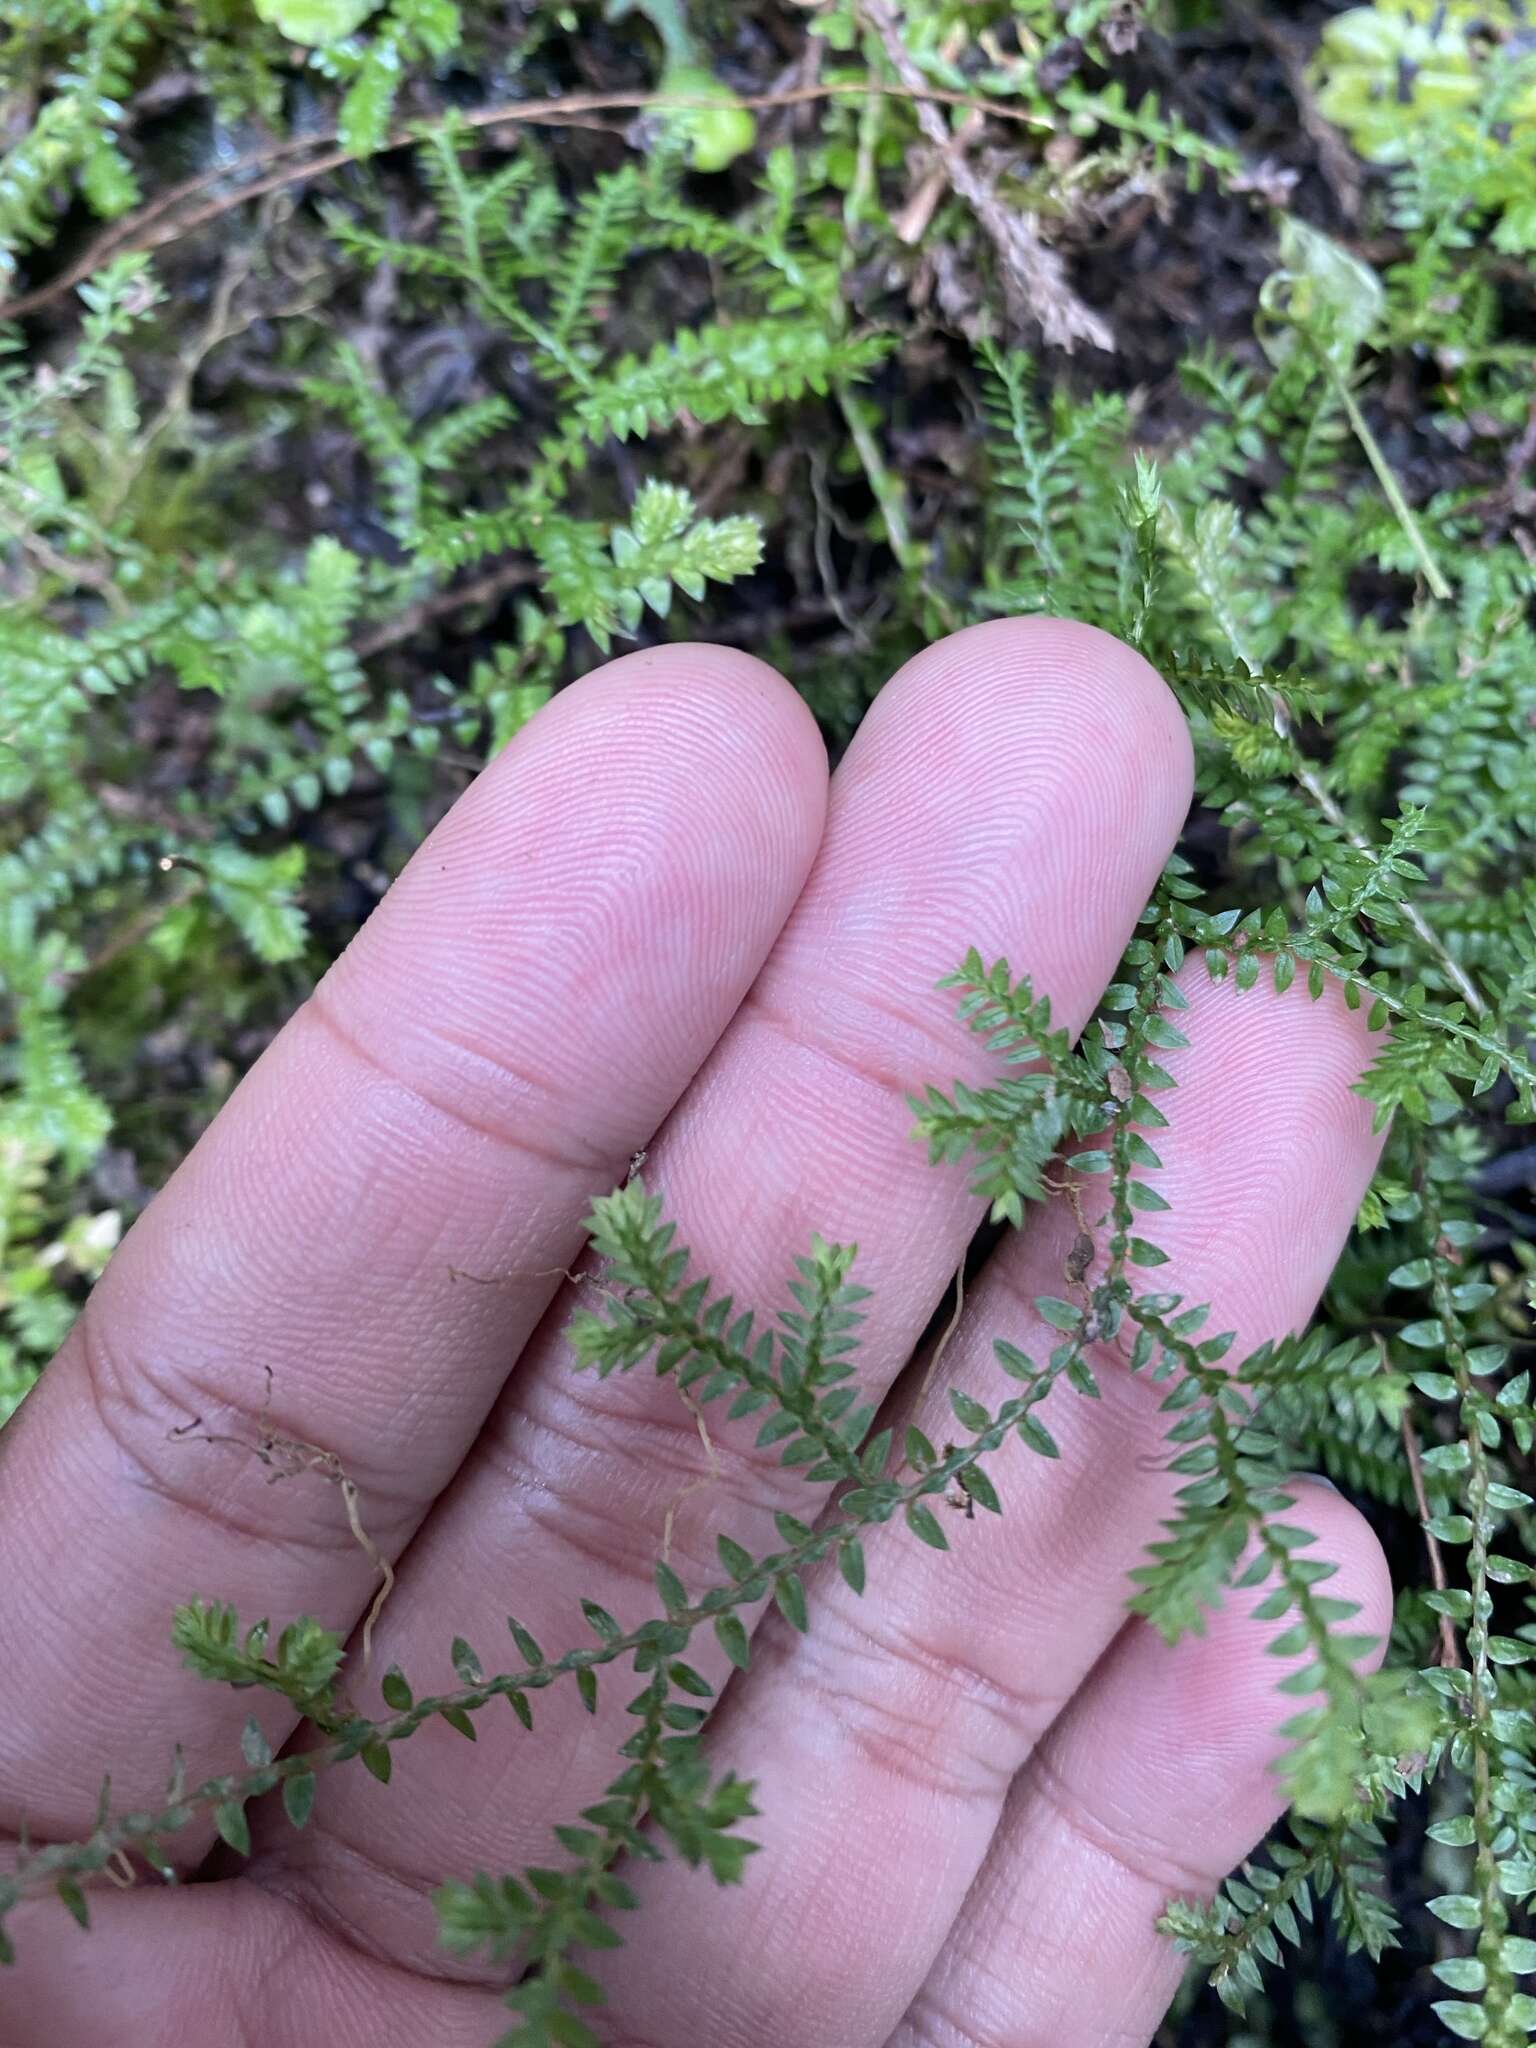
column 1033, row 270
column 289, row 1457
column 162, row 220
column 949, row 1330
column 1336, row 160
column 486, row 589
column 912, row 222
column 70, row 569
column 1450, row 1657
column 699, row 1485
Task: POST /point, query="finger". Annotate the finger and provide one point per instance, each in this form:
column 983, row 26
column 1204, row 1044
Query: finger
column 1017, row 786
column 882, row 1743
column 1156, row 1781
column 515, row 1020
column 194, row 1967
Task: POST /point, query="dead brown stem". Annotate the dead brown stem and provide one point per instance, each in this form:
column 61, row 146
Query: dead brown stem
column 1450, row 1656
column 162, row 221
column 1034, row 270
column 287, row 1457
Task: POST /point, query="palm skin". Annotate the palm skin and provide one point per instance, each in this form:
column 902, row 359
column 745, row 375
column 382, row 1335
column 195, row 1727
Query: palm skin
column 651, row 925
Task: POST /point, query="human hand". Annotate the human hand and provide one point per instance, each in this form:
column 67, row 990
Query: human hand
column 647, row 927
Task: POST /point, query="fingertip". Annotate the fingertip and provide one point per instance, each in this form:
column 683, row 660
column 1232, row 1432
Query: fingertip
column 641, row 840
column 1017, row 787
column 1097, row 698
column 1290, row 1058
column 1117, row 685
column 720, row 709
column 1343, row 1535
column 1227, row 1683
column 1208, row 1709
column 700, row 675
column 1270, row 1146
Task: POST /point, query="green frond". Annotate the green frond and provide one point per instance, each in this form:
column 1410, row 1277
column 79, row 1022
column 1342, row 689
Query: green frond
column 1053, row 489
column 605, row 579
column 599, row 241
column 716, row 373
column 72, row 140
column 1267, row 1907
column 797, row 1375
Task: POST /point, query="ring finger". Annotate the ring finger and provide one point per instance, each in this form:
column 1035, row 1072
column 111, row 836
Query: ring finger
column 883, row 1742
column 1153, row 1783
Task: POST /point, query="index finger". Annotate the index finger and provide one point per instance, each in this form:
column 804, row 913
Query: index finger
column 509, row 1028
